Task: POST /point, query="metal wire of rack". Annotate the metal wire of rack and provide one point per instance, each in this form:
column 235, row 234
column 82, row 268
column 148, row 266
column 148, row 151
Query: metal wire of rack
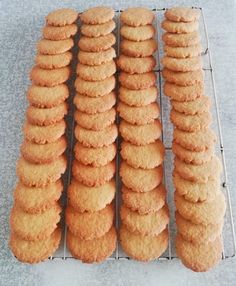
column 229, row 231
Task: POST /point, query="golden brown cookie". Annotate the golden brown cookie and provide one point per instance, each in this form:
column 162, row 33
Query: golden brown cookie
column 207, row 212
column 140, row 134
column 137, row 16
column 43, row 153
column 89, row 225
column 98, row 44
column 49, row 47
column 97, row 15
column 182, row 65
column 140, row 180
column 44, row 134
column 197, row 233
column 95, row 88
column 53, row 61
column 37, row 251
column 93, row 176
column 90, row 199
column 37, row 200
column 46, row 116
column 96, row 157
column 191, row 123
column 40, row 175
column 184, row 93
column 96, row 59
column 143, row 248
column 138, row 98
column 90, row 251
column 136, row 65
column 138, row 49
column 137, row 81
column 180, row 27
column 199, row 257
column 145, row 224
column 137, row 34
column 194, row 191
column 182, row 14
column 96, row 139
column 145, row 157
column 96, row 73
column 92, row 105
column 46, row 97
column 62, row 17
column 34, row 226
column 181, row 40
column 94, row 31
column 144, row 203
column 183, row 52
column 59, row 33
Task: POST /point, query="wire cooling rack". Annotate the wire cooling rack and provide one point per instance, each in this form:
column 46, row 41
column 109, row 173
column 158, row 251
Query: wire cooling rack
column 228, row 231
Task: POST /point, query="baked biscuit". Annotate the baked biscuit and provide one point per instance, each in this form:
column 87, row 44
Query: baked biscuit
column 198, row 106
column 53, row 61
column 97, row 15
column 136, row 65
column 94, row 31
column 96, row 59
column 138, row 49
column 62, row 17
column 183, row 52
column 137, row 16
column 180, row 27
column 137, row 81
column 49, row 47
column 182, row 14
column 59, row 33
column 98, row 44
column 137, row 34
column 181, row 40
column 182, row 65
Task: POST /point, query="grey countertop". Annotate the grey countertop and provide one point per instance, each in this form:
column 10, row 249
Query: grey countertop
column 21, row 23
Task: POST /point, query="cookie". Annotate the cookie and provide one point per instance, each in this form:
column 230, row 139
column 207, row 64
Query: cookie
column 59, row 33
column 137, row 16
column 182, row 14
column 198, row 106
column 44, row 134
column 94, row 31
column 96, row 139
column 96, row 59
column 137, row 81
column 181, row 40
column 136, row 65
column 96, row 73
column 194, row 191
column 46, row 97
column 140, row 134
column 191, row 123
column 49, row 47
column 140, row 180
column 95, row 88
column 138, row 49
column 197, row 233
column 90, row 251
column 53, row 61
column 37, row 251
column 199, row 257
column 150, row 224
column 184, row 93
column 90, row 199
column 138, row 98
column 138, row 115
column 89, row 225
column 93, row 176
column 143, row 248
column 62, row 17
column 144, row 203
column 92, row 105
column 43, row 153
column 137, row 34
column 46, row 116
column 180, row 27
column 195, row 141
column 37, row 200
column 97, row 15
column 183, row 78
column 34, row 226
column 145, row 157
column 95, row 157
column 182, row 65
column 98, row 44
column 49, row 78
column 40, row 175
column 183, row 52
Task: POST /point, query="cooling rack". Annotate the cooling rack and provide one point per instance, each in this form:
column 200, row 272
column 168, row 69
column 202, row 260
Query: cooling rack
column 228, row 231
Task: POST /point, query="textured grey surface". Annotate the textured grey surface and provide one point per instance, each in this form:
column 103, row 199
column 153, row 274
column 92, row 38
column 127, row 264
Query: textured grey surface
column 21, row 23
